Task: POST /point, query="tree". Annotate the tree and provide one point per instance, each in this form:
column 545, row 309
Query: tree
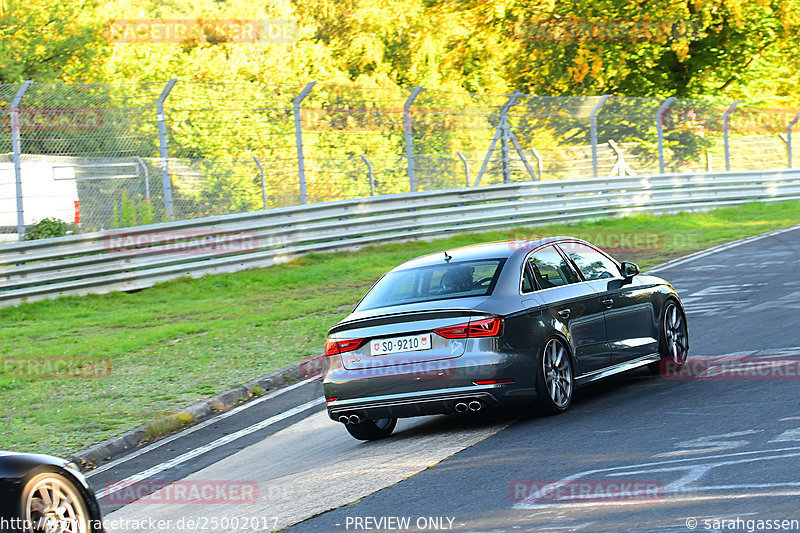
column 441, row 44
column 48, row 41
column 684, row 49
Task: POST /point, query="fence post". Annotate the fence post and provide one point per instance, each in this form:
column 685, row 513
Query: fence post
column 725, row 126
column 539, row 162
column 503, row 132
column 463, row 159
column 593, row 131
column 412, row 182
column 16, row 149
column 298, row 135
column 263, row 183
column 620, row 167
column 146, row 173
column 660, row 128
column 789, row 139
column 506, row 134
column 371, row 175
column 166, row 182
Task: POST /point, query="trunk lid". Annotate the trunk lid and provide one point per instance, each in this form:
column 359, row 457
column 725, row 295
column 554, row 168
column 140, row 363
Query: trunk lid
column 403, row 321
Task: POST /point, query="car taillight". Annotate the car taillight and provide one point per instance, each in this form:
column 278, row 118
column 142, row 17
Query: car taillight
column 337, row 347
column 490, row 327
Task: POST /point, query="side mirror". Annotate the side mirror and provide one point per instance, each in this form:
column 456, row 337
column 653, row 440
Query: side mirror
column 629, row 269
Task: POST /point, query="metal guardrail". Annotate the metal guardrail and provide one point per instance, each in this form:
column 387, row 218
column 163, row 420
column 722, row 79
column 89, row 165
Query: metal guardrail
column 139, row 257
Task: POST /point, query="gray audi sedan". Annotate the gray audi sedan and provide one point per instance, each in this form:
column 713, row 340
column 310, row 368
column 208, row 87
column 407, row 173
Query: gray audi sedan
column 496, row 324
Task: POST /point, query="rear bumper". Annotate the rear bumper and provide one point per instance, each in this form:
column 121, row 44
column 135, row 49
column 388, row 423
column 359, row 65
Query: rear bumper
column 429, row 402
column 430, row 387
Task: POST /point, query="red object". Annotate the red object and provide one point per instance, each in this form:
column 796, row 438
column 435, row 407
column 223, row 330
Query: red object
column 336, row 347
column 491, row 327
column 493, row 381
column 77, row 212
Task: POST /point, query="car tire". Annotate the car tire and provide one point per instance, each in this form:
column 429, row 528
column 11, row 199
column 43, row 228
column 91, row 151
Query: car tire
column 71, row 512
column 372, row 429
column 673, row 340
column 555, row 382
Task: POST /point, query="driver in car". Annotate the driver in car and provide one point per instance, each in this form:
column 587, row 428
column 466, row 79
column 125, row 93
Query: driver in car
column 458, row 279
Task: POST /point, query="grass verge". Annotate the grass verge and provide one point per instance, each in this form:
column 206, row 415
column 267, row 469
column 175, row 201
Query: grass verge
column 173, row 344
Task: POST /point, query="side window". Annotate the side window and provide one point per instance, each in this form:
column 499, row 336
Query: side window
column 550, row 269
column 527, row 282
column 591, row 263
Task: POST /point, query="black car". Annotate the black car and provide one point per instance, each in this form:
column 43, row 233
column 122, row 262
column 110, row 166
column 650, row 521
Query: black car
column 40, row 493
column 496, row 324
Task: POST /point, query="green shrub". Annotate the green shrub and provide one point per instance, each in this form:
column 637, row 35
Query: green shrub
column 47, row 228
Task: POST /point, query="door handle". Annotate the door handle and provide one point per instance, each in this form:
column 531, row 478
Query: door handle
column 608, row 302
column 564, row 313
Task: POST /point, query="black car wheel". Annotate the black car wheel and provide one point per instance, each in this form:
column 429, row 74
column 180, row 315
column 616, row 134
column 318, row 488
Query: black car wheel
column 554, row 384
column 673, row 342
column 372, row 429
column 52, row 503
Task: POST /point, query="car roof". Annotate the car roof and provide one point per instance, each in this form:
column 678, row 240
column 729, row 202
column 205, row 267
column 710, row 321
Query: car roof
column 488, row 250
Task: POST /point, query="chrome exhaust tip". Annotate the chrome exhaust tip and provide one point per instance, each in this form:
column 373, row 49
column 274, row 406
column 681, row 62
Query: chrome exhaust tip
column 475, row 405
column 344, row 420
column 461, row 407
column 355, row 419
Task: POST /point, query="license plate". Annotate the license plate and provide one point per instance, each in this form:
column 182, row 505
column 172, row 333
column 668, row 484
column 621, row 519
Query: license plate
column 411, row 343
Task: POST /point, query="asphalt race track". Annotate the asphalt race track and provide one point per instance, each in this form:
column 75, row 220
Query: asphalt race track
column 706, row 451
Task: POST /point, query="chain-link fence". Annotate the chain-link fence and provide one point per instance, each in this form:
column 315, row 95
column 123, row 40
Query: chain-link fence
column 116, row 155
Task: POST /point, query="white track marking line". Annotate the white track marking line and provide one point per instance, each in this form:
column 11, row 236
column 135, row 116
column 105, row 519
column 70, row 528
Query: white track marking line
column 668, row 500
column 201, row 425
column 625, row 470
column 790, row 435
column 222, row 441
column 720, row 248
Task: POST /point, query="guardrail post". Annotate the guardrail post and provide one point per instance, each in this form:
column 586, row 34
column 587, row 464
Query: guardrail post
column 16, row 149
column 166, row 182
column 660, row 128
column 371, row 175
column 789, row 139
column 412, row 182
column 463, row 159
column 593, row 132
column 725, row 127
column 263, row 183
column 298, row 134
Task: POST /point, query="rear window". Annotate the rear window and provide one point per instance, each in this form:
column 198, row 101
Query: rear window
column 437, row 282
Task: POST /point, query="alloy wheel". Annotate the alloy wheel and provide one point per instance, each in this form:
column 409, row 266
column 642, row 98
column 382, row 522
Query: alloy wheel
column 54, row 505
column 557, row 373
column 676, row 335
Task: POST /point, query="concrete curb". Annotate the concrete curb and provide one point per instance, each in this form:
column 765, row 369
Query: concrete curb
column 131, row 439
